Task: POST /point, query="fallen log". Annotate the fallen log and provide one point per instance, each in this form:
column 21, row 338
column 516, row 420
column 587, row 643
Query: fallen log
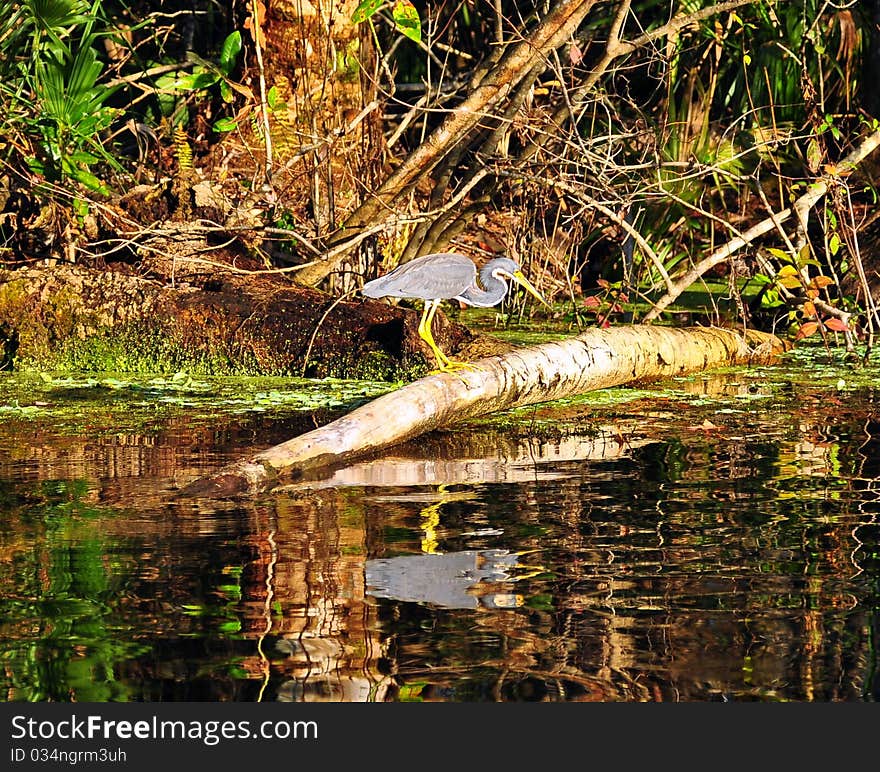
column 593, row 360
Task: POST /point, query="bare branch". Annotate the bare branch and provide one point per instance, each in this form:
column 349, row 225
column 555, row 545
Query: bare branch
column 801, row 207
column 493, row 90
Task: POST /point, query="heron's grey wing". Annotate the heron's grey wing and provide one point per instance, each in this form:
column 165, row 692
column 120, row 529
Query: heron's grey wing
column 443, row 275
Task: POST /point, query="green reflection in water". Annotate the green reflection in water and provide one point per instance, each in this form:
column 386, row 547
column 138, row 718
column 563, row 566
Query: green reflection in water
column 61, row 637
column 696, row 542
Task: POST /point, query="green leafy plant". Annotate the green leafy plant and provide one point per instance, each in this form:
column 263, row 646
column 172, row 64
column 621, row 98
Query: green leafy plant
column 204, row 76
column 404, row 13
column 73, row 115
column 52, row 98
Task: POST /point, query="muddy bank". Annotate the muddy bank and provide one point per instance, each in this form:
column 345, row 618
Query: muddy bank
column 65, row 317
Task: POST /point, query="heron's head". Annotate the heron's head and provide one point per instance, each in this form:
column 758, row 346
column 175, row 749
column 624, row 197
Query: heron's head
column 504, row 268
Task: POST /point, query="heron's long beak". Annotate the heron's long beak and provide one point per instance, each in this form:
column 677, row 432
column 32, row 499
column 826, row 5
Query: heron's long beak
column 520, row 279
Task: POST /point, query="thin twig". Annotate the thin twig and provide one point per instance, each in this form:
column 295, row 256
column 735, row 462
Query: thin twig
column 318, row 327
column 264, row 102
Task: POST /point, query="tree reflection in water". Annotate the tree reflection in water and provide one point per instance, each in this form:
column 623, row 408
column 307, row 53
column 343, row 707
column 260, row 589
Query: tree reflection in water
column 661, row 554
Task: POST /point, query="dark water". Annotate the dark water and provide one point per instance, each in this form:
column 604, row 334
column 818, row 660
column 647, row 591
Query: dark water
column 716, row 540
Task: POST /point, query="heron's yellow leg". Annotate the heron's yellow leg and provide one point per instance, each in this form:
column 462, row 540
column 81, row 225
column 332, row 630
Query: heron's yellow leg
column 445, row 364
column 429, row 520
column 431, row 306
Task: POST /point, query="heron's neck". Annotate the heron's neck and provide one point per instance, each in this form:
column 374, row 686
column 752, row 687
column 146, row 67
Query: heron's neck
column 481, row 298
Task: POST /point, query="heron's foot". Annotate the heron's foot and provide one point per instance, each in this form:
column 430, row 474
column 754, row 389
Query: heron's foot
column 452, row 366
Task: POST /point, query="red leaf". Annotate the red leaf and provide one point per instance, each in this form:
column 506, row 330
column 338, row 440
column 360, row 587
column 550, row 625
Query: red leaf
column 591, row 301
column 806, row 330
column 838, row 325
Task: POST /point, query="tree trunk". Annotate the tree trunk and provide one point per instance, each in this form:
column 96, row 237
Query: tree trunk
column 325, row 129
column 487, row 98
column 594, row 360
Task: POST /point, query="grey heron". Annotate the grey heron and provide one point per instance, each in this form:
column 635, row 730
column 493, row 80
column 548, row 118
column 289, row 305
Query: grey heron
column 448, row 276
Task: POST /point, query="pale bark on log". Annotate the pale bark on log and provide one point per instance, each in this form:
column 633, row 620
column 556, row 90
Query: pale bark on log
column 593, row 360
